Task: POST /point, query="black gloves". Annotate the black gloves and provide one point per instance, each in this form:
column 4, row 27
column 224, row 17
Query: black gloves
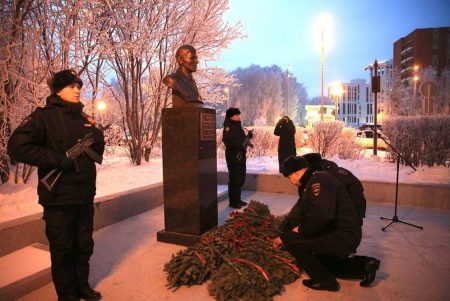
column 250, row 134
column 67, row 164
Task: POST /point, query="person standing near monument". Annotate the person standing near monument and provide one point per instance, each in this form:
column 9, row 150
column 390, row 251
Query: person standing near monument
column 42, row 140
column 327, row 231
column 285, row 129
column 236, row 143
column 182, row 83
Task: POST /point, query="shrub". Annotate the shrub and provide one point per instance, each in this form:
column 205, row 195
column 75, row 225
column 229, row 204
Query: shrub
column 420, row 139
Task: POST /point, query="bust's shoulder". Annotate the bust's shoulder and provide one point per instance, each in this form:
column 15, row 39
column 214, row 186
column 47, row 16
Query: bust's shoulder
column 170, row 80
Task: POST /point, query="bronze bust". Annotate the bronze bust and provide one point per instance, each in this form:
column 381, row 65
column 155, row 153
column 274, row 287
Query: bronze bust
column 184, row 88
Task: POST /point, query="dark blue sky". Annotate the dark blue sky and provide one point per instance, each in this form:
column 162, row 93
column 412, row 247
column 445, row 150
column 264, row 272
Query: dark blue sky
column 281, row 32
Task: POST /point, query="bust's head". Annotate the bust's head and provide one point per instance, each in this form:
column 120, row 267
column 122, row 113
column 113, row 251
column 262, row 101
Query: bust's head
column 186, row 57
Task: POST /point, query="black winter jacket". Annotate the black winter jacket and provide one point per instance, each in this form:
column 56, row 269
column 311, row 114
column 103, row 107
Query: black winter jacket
column 43, row 139
column 233, row 138
column 286, row 131
column 327, row 213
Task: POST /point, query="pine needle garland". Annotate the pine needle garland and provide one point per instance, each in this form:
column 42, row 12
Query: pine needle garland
column 239, row 258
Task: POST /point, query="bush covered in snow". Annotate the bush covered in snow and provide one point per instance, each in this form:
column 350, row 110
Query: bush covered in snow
column 424, row 140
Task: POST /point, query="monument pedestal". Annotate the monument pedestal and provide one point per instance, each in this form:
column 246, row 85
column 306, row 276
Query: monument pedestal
column 189, row 174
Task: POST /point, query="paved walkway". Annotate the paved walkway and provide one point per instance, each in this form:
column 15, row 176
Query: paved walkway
column 415, row 264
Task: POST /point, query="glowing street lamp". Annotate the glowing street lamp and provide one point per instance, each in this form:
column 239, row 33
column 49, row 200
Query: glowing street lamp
column 415, row 80
column 336, row 91
column 101, row 107
column 323, row 24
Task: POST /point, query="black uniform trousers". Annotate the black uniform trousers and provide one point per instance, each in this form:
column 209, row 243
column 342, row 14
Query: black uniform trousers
column 321, row 262
column 69, row 232
column 236, row 179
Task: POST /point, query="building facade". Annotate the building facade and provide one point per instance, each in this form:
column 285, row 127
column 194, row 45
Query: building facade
column 423, row 47
column 355, row 106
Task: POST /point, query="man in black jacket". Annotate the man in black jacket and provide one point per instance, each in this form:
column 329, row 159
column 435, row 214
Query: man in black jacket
column 328, row 229
column 236, row 142
column 353, row 185
column 42, row 140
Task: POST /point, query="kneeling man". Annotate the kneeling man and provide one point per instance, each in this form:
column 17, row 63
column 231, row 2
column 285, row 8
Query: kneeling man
column 327, row 229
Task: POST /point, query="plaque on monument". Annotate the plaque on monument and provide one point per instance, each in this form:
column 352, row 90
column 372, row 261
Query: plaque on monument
column 189, row 158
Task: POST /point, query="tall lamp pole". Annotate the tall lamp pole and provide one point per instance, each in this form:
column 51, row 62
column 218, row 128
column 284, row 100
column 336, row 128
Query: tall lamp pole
column 322, row 62
column 288, row 79
column 375, row 87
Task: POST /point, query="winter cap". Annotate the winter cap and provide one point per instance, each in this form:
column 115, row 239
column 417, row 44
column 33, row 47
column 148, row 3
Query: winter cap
column 231, row 112
column 62, row 79
column 292, row 164
column 313, row 158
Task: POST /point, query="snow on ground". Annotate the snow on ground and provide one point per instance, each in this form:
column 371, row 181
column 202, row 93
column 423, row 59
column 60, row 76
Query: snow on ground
column 117, row 174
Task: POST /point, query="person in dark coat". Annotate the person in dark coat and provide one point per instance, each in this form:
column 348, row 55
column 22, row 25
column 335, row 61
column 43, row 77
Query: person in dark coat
column 285, row 129
column 236, row 143
column 351, row 182
column 328, row 230
column 42, row 140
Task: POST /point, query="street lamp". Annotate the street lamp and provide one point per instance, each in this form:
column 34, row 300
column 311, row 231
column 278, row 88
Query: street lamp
column 375, row 88
column 101, row 106
column 288, row 79
column 336, row 91
column 324, row 25
column 415, row 80
column 227, row 93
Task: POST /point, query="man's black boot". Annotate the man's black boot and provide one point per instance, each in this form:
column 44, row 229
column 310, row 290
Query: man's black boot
column 236, row 206
column 370, row 271
column 325, row 286
column 88, row 294
column 242, row 203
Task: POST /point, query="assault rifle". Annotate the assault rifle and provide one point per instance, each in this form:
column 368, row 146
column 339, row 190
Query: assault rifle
column 246, row 144
column 83, row 146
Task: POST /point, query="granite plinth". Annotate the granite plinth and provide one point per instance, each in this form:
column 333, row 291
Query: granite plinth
column 189, row 172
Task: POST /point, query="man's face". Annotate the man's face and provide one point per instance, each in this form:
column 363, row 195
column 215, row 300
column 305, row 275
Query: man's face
column 189, row 60
column 70, row 93
column 295, row 177
column 236, row 117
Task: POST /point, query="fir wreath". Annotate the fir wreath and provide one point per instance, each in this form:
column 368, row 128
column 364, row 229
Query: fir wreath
column 239, row 258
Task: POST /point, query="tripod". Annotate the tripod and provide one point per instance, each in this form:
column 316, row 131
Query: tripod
column 395, row 219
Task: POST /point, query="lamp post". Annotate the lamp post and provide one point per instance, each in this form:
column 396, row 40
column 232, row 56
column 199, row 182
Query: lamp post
column 101, row 107
column 288, row 79
column 323, row 25
column 336, row 92
column 227, row 93
column 415, row 79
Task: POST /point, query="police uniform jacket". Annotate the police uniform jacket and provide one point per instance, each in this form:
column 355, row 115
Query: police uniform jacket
column 326, row 213
column 353, row 185
column 43, row 139
column 233, row 138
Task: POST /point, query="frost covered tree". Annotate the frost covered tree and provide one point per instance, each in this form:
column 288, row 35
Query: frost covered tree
column 262, row 94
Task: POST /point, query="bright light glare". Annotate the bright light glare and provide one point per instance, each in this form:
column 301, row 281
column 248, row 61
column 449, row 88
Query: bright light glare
column 416, row 78
column 101, row 105
column 323, row 31
column 337, row 89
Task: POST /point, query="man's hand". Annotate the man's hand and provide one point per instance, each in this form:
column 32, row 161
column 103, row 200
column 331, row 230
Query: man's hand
column 277, row 242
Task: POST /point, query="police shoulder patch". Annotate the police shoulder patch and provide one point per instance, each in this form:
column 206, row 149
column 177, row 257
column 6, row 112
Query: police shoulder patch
column 342, row 171
column 315, row 189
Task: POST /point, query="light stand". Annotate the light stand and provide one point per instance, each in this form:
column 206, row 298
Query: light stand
column 395, row 218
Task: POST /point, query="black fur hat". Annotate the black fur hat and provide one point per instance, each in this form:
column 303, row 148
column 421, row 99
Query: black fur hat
column 313, row 158
column 292, row 164
column 62, row 79
column 231, row 112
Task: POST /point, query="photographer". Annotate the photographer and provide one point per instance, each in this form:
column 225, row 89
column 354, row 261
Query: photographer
column 285, row 129
column 236, row 143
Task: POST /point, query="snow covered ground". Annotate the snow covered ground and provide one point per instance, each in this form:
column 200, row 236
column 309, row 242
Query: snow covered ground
column 117, row 174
